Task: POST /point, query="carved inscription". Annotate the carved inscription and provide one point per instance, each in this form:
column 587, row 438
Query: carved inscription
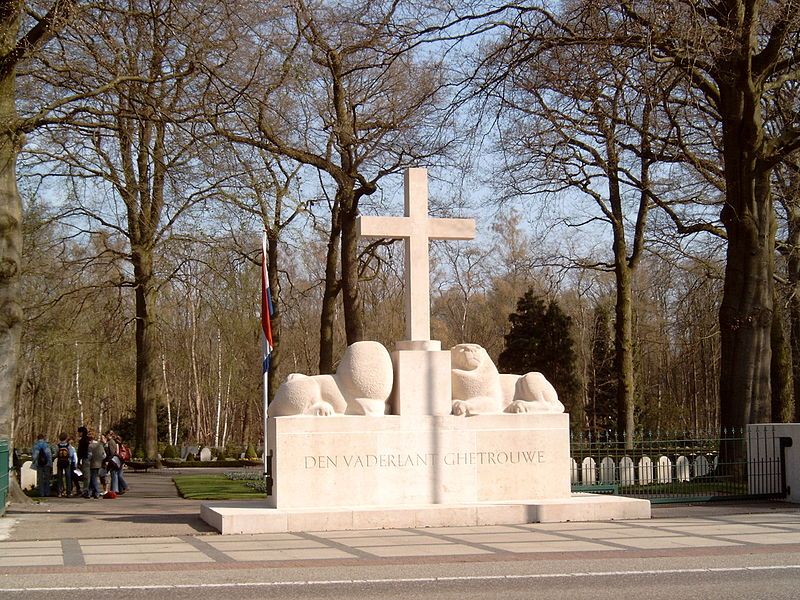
column 382, row 461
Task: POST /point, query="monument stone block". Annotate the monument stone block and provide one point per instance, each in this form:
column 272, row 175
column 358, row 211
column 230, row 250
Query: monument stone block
column 393, row 460
column 422, row 384
column 446, row 454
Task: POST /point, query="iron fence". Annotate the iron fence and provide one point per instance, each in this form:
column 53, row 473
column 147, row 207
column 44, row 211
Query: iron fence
column 4, row 466
column 731, row 464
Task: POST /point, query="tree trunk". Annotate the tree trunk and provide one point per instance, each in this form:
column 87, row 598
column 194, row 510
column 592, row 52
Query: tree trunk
column 747, row 302
column 197, row 402
column 780, row 369
column 351, row 299
column 623, row 344
column 10, row 230
column 167, row 398
column 329, row 296
column 219, row 388
column 147, row 354
column 793, row 275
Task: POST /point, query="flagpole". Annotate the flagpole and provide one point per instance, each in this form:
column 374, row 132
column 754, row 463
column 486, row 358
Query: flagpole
column 266, row 334
column 267, row 455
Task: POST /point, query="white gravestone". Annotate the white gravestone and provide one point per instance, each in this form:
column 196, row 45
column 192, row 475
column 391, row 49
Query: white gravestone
column 421, row 368
column 682, row 469
column 27, row 476
column 701, row 467
column 664, row 470
column 645, row 470
column 205, row 455
column 588, row 471
column 626, row 471
column 573, row 469
column 607, row 470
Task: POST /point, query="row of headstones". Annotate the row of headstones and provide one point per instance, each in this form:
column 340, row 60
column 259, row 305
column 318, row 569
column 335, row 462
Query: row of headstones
column 649, row 472
column 204, row 453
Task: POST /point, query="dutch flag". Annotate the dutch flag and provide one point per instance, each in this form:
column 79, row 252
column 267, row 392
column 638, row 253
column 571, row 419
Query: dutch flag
column 266, row 309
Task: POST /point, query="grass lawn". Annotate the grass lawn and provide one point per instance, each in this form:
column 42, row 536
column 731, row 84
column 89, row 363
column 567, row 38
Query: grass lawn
column 214, row 487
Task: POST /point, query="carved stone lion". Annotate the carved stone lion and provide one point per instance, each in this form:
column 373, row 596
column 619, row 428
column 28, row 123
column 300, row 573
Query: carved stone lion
column 361, row 386
column 478, row 388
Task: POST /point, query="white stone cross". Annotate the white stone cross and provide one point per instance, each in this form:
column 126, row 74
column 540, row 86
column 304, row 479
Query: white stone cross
column 416, row 229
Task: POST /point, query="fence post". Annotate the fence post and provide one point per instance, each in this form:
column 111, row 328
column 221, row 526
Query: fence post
column 4, row 468
column 786, row 442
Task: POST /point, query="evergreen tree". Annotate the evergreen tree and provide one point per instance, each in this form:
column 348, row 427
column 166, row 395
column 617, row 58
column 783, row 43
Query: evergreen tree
column 540, row 340
column 602, row 389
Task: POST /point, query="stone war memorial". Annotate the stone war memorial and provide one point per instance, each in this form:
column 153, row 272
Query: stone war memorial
column 419, row 436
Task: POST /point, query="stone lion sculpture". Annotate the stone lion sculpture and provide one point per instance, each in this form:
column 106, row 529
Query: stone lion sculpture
column 478, row 388
column 361, row 385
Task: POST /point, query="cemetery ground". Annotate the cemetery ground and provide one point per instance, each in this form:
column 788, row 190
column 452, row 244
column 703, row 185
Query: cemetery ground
column 151, row 542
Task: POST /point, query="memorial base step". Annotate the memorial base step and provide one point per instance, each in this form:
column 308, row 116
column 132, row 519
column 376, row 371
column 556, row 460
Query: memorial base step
column 256, row 517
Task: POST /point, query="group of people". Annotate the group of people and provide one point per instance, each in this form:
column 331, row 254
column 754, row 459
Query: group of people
column 97, row 463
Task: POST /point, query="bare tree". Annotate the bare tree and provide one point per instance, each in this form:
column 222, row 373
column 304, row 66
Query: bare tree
column 586, row 129
column 339, row 91
column 133, row 142
column 735, row 55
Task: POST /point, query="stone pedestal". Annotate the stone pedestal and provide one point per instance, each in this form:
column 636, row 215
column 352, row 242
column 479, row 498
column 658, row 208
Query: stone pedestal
column 355, row 472
column 399, row 460
column 421, row 382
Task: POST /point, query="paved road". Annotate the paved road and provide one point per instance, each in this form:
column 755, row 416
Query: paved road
column 711, row 576
column 151, row 544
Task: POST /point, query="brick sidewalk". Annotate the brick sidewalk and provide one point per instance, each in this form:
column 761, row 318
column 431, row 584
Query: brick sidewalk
column 152, row 527
column 750, row 533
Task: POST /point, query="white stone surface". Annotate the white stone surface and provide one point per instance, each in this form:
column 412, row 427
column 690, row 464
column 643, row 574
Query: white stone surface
column 362, row 385
column 416, row 228
column 761, row 476
column 205, row 455
column 575, row 477
column 682, row 469
column 475, row 381
column 479, row 389
column 626, row 471
column 664, row 470
column 588, row 471
column 645, row 470
column 254, row 517
column 364, row 461
column 534, row 394
column 27, row 475
column 421, row 383
column 608, row 470
column 700, row 466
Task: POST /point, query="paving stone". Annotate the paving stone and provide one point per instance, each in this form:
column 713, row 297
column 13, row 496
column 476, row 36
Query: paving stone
column 563, row 546
column 153, row 558
column 406, row 540
column 450, row 550
column 30, row 561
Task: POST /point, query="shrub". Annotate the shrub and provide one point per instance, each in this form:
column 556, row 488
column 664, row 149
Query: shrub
column 250, row 452
column 233, row 451
column 170, row 451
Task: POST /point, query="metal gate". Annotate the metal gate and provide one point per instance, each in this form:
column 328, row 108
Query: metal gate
column 731, row 465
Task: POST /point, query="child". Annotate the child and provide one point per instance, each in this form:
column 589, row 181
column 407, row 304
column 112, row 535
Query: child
column 64, row 466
